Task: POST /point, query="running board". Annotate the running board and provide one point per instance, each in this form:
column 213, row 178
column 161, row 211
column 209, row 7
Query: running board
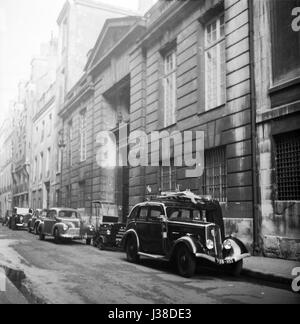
column 153, row 256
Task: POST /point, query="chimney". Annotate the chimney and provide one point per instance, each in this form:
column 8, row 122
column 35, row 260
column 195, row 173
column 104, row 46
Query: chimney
column 145, row 5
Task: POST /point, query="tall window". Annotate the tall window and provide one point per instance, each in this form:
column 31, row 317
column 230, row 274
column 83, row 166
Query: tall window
column 83, row 136
column 215, row 175
column 41, row 165
column 59, row 160
column 50, row 125
column 35, row 172
column 170, row 88
column 215, row 64
column 48, row 162
column 70, row 141
column 288, row 166
column 168, row 178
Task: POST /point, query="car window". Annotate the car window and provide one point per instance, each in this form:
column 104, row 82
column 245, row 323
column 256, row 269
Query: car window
column 67, row 214
column 134, row 213
column 143, row 213
column 51, row 214
column 155, row 213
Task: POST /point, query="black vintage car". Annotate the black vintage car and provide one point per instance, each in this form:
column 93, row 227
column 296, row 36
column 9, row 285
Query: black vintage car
column 37, row 218
column 20, row 218
column 182, row 228
column 109, row 236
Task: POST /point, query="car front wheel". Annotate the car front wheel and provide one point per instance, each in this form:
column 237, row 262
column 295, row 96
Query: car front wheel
column 89, row 241
column 56, row 236
column 132, row 251
column 42, row 236
column 186, row 262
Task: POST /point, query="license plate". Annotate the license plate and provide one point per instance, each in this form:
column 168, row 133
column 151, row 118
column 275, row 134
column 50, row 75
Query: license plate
column 228, row 261
column 73, row 232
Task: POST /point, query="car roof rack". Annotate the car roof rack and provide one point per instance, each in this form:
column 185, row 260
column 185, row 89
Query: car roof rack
column 184, row 196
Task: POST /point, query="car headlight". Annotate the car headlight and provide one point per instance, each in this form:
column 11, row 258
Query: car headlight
column 227, row 245
column 108, row 232
column 65, row 227
column 210, row 244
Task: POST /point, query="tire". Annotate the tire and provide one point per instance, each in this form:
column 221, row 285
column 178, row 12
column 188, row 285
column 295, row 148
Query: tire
column 42, row 236
column 29, row 229
column 89, row 241
column 101, row 245
column 132, row 251
column 235, row 269
column 185, row 262
column 36, row 230
column 56, row 236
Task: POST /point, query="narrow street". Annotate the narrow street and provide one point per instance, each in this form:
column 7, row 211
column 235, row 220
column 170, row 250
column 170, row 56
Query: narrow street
column 75, row 273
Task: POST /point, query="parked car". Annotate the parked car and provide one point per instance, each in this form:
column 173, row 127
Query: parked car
column 182, row 228
column 109, row 236
column 34, row 222
column 65, row 224
column 20, row 218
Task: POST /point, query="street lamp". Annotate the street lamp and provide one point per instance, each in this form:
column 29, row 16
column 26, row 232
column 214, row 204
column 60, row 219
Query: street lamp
column 61, row 146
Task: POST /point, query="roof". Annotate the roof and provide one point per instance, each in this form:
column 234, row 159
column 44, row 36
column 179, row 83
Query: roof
column 112, row 32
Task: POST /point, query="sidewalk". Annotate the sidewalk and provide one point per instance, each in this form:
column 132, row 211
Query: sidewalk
column 274, row 270
column 12, row 295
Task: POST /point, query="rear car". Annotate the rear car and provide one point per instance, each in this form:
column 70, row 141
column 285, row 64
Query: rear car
column 65, row 224
column 20, row 218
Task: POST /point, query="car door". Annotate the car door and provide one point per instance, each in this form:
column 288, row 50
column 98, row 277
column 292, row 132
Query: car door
column 155, row 229
column 142, row 228
column 49, row 222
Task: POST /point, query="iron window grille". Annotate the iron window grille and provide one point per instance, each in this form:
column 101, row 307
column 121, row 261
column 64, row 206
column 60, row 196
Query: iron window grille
column 287, row 165
column 215, row 174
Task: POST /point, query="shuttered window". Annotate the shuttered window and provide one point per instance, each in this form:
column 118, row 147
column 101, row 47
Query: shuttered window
column 215, row 63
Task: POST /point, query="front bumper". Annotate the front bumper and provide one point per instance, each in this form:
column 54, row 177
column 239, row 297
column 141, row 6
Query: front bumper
column 225, row 261
column 75, row 234
column 22, row 225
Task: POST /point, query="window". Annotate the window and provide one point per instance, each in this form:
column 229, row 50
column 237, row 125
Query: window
column 155, row 213
column 35, row 172
column 215, row 64
column 68, row 196
column 81, row 196
column 41, row 165
column 286, row 63
column 168, row 177
column 215, row 174
column 50, row 125
column 59, row 160
column 48, row 162
column 170, row 88
column 64, row 35
column 288, row 166
column 83, row 136
column 70, row 141
column 143, row 213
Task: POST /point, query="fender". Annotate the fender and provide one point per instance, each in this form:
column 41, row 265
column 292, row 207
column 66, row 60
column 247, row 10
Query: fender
column 188, row 242
column 240, row 244
column 127, row 234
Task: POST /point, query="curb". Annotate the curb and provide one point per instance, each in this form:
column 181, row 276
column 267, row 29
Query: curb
column 270, row 277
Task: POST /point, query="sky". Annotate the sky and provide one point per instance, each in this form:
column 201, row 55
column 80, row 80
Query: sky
column 24, row 25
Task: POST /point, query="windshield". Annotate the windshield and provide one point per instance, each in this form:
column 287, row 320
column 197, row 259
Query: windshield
column 184, row 214
column 67, row 214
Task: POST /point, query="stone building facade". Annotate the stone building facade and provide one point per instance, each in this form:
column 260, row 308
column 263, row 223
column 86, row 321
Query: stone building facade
column 42, row 161
column 99, row 102
column 277, row 75
column 191, row 71
column 79, row 22
column 5, row 167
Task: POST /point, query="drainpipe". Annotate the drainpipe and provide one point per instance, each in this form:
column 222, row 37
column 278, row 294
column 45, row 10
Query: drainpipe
column 256, row 245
